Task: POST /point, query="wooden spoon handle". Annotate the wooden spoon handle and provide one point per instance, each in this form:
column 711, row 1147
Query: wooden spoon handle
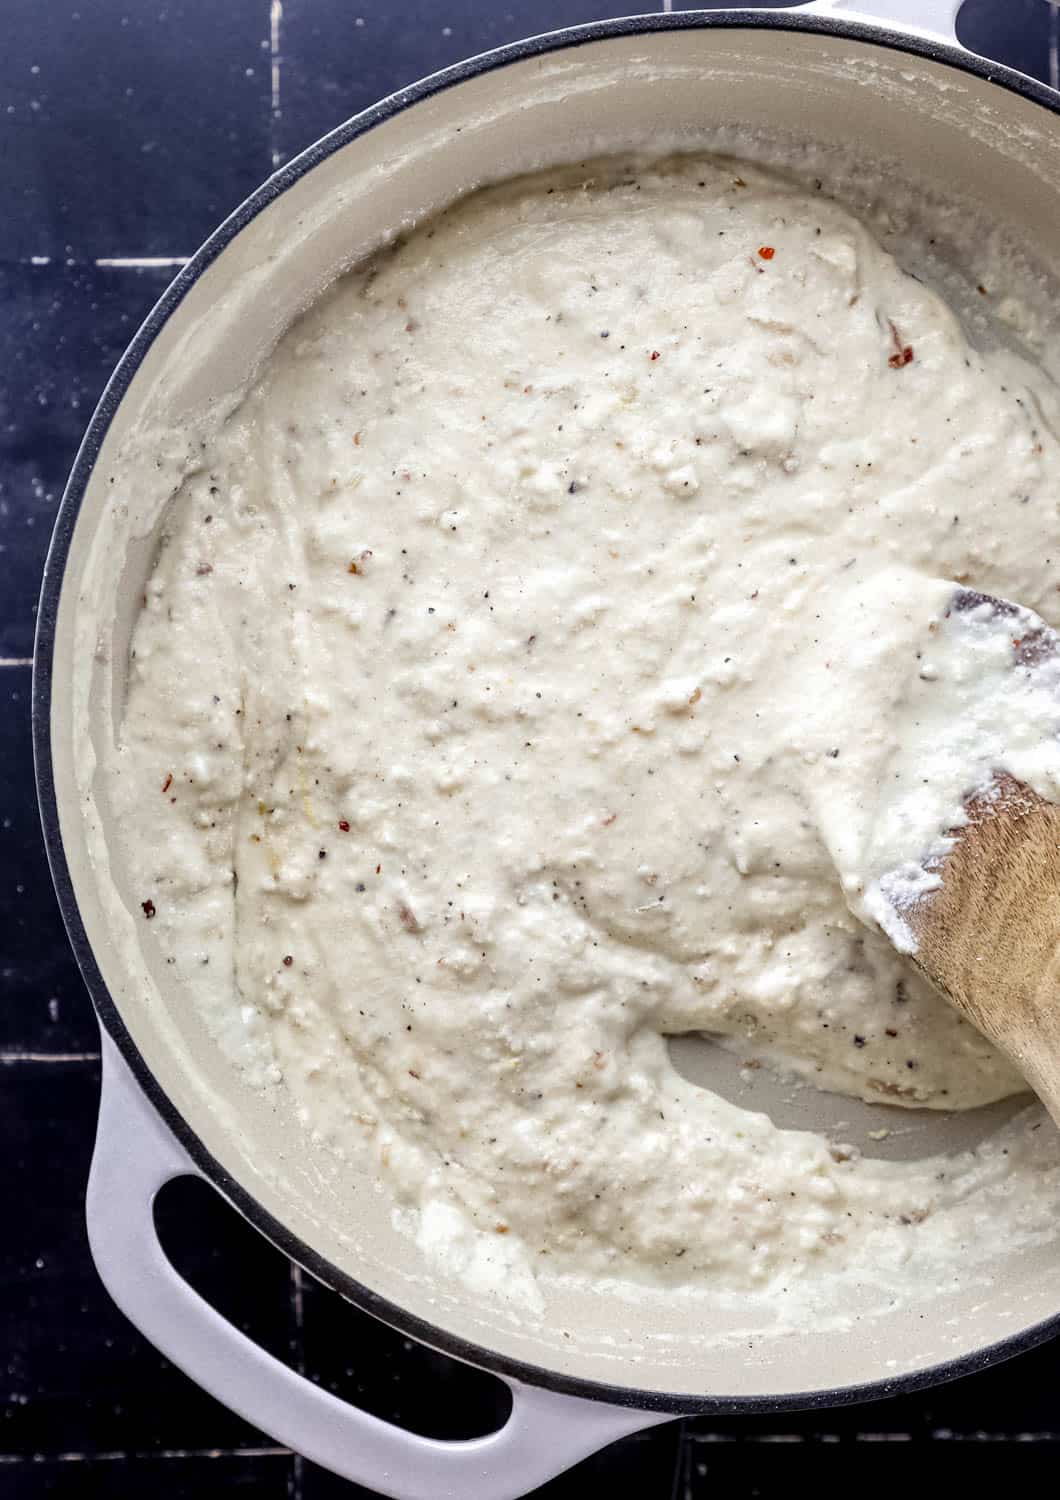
column 989, row 936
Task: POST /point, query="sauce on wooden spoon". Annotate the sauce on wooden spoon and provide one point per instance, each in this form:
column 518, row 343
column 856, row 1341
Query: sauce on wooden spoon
column 980, row 913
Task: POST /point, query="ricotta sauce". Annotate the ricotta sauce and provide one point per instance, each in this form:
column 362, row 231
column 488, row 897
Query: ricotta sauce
column 985, row 699
column 517, row 686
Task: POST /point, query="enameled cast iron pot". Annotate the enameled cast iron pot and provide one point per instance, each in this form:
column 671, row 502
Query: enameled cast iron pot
column 169, row 1107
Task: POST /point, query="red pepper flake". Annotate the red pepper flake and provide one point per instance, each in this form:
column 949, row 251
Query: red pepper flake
column 344, row 827
column 767, row 252
column 414, row 1074
column 1017, row 640
column 148, row 908
column 500, row 1228
column 168, row 782
column 655, row 354
column 903, row 353
column 288, row 960
column 378, row 868
column 611, row 817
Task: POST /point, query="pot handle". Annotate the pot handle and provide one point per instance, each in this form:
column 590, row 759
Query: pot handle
column 932, row 18
column 135, row 1154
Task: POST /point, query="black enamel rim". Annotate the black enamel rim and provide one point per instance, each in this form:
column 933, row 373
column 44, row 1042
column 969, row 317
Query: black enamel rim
column 361, row 1296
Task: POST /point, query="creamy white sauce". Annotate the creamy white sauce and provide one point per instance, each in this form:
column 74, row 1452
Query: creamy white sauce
column 984, row 699
column 517, row 686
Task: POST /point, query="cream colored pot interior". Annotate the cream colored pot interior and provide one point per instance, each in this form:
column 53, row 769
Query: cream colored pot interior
column 936, row 126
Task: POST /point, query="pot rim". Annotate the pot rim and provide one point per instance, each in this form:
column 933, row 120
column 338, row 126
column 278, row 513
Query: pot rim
column 391, row 1313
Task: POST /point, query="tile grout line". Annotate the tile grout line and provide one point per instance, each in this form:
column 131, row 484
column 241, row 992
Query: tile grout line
column 140, row 262
column 947, row 1435
column 117, row 1455
column 297, row 1475
column 9, row 1058
column 679, row 1458
column 299, row 1313
column 935, row 1436
column 275, row 62
column 109, row 262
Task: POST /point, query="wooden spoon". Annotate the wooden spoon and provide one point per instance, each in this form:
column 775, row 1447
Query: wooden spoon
column 989, row 936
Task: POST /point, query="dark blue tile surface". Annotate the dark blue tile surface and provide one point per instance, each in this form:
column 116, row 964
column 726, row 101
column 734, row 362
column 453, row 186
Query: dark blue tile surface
column 371, row 1365
column 78, row 1378
column 253, row 1474
column 126, row 128
column 870, row 1468
column 43, row 1004
column 337, row 59
column 126, row 131
column 63, row 327
column 1022, row 41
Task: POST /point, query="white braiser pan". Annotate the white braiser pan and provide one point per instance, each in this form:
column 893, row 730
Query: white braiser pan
column 170, row 1106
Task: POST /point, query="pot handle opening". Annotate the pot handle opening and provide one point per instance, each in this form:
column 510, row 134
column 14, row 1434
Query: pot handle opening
column 135, row 1155
column 933, row 18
